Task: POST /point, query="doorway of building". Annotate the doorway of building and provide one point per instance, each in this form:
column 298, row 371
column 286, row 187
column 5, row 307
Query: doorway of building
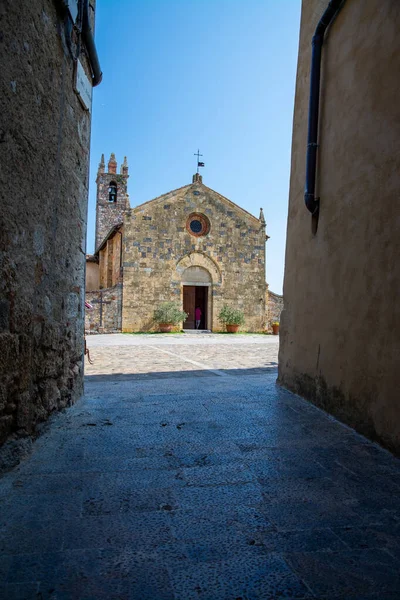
column 195, row 296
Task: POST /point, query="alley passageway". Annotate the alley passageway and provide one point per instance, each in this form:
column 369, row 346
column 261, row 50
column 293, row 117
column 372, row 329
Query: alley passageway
column 185, row 473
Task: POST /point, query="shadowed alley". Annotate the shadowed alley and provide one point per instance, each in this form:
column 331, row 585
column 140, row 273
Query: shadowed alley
column 211, row 484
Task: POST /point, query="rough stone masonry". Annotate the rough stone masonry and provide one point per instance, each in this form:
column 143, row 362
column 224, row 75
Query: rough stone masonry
column 44, row 135
column 191, row 246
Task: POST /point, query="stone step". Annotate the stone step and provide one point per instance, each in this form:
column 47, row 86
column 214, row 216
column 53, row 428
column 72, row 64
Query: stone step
column 196, row 330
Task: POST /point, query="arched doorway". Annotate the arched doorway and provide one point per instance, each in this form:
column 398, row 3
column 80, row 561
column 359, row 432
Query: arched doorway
column 196, row 282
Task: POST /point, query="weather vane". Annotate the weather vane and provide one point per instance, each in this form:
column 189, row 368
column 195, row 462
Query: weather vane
column 199, row 164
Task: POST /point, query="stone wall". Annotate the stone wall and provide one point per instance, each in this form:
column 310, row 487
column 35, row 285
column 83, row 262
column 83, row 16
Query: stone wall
column 106, row 314
column 158, row 248
column 44, row 135
column 275, row 307
column 340, row 326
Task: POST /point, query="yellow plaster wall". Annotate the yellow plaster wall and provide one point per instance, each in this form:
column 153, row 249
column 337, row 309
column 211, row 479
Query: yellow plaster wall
column 340, row 329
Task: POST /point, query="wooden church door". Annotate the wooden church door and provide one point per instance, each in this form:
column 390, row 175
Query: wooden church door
column 189, row 300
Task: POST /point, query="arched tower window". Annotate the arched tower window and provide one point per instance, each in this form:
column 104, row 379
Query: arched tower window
column 112, row 192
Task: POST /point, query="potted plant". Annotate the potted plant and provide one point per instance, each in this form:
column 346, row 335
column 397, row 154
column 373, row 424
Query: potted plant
column 275, row 327
column 168, row 315
column 232, row 318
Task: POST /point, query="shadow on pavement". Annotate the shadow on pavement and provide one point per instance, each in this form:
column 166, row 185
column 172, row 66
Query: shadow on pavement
column 273, row 366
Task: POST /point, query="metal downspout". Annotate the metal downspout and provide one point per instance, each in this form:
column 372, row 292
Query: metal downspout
column 87, row 35
column 311, row 202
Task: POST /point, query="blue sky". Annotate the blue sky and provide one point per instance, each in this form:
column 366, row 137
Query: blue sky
column 218, row 75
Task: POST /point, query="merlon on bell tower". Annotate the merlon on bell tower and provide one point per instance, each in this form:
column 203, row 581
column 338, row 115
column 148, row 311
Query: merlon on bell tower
column 124, row 167
column 102, row 165
column 112, row 164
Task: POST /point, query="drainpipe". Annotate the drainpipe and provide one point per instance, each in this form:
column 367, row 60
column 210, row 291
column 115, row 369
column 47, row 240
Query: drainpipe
column 87, row 35
column 312, row 203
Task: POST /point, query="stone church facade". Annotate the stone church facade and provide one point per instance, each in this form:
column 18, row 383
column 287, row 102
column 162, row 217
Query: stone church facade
column 191, row 245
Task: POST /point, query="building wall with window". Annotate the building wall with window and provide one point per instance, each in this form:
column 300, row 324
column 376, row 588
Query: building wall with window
column 340, row 327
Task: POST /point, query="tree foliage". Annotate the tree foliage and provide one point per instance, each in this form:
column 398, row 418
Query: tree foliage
column 231, row 316
column 169, row 312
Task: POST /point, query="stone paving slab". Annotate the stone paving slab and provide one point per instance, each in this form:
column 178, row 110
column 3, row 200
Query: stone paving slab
column 216, row 487
column 180, row 339
column 183, row 354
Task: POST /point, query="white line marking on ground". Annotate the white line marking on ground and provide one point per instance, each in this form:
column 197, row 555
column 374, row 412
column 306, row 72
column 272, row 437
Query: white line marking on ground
column 193, row 362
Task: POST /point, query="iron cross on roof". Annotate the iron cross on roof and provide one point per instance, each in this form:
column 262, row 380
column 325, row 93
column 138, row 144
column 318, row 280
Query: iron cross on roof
column 199, row 164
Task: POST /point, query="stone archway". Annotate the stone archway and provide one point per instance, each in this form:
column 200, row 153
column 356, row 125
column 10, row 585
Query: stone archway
column 198, row 259
column 196, row 288
column 198, row 276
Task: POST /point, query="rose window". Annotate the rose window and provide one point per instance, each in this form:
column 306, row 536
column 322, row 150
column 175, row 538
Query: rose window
column 198, row 224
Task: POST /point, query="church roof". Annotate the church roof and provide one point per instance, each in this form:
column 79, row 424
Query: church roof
column 92, row 258
column 162, row 196
column 201, row 184
column 233, row 204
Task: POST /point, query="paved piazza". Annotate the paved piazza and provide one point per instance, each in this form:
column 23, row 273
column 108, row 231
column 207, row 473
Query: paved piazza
column 185, row 473
column 169, row 355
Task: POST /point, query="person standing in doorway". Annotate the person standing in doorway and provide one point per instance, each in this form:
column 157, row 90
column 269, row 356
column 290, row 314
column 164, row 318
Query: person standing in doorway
column 197, row 315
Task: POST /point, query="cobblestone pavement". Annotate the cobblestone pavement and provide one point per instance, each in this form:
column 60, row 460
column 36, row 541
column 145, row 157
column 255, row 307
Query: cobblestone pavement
column 194, row 354
column 186, row 487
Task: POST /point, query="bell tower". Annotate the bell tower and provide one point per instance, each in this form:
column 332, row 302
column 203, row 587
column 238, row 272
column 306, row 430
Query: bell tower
column 112, row 199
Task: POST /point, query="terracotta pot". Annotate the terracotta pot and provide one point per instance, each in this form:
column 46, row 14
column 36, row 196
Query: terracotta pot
column 232, row 328
column 275, row 329
column 165, row 327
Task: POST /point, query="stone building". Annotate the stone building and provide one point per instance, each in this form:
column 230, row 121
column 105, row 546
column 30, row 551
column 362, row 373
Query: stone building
column 275, row 307
column 340, row 329
column 49, row 65
column 191, row 245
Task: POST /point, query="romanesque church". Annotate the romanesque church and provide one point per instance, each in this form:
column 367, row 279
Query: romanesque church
column 191, row 245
